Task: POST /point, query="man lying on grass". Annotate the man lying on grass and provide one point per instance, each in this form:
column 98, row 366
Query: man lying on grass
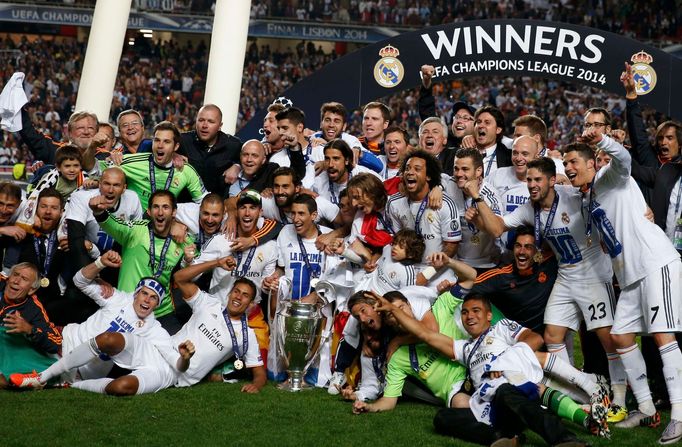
column 504, row 371
column 123, row 331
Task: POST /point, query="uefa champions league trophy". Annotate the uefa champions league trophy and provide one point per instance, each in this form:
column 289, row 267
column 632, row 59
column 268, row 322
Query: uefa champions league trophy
column 299, row 334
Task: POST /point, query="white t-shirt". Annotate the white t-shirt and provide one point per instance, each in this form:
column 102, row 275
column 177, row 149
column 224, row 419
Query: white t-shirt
column 116, row 314
column 290, row 257
column 331, row 193
column 388, row 173
column 208, row 331
column 637, row 247
column 326, row 211
column 261, row 259
column 478, row 248
column 577, row 261
column 435, row 226
column 477, row 354
column 391, row 275
column 78, row 209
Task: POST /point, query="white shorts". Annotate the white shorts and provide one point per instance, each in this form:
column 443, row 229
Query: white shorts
column 151, row 369
column 652, row 304
column 94, row 369
column 570, row 304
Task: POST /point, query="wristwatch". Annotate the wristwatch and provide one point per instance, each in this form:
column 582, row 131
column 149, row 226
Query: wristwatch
column 478, row 199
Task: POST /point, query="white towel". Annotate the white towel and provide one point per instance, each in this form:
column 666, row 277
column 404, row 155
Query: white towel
column 12, row 99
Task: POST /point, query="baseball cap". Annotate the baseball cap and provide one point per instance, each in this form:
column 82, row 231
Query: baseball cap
column 249, row 196
column 459, row 105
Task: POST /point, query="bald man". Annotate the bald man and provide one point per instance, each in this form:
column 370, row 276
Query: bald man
column 256, row 171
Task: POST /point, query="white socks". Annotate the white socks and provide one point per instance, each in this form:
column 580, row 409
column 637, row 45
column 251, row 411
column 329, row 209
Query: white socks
column 635, row 369
column 80, row 355
column 672, row 368
column 562, row 369
column 93, row 385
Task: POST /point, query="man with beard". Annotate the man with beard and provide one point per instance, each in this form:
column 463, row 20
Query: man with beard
column 10, row 199
column 211, row 152
column 477, row 248
column 272, row 140
column 148, row 248
column 82, row 132
column 647, row 267
column 440, row 228
column 583, row 289
column 488, row 133
column 340, row 168
column 521, row 289
column 42, row 249
column 147, row 173
column 285, row 185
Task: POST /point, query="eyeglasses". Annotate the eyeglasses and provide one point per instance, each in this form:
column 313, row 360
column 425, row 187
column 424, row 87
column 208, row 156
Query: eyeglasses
column 463, row 118
column 591, row 125
column 130, row 124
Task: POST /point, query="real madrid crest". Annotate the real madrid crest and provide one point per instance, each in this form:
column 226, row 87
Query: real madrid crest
column 565, row 219
column 389, row 71
column 642, row 72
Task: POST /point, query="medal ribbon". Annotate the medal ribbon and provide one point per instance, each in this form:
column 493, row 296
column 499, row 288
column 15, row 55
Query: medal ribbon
column 49, row 252
column 162, row 257
column 490, row 163
column 550, row 218
column 233, row 335
column 304, row 253
column 473, row 351
column 420, row 213
column 334, row 197
column 152, row 175
column 247, row 262
column 414, row 361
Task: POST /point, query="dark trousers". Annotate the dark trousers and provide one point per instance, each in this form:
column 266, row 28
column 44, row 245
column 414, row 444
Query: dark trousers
column 513, row 411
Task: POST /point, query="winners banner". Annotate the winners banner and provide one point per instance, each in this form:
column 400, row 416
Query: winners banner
column 532, row 48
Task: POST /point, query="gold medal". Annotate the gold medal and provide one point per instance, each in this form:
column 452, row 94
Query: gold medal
column 44, row 282
column 238, row 364
column 589, row 241
column 475, row 239
column 467, row 386
column 537, row 257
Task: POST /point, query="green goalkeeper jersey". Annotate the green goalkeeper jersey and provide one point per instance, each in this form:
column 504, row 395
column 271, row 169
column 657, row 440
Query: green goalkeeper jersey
column 140, row 169
column 134, row 237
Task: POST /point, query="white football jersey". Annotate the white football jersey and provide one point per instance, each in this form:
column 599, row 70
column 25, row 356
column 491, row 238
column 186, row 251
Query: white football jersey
column 326, row 211
column 478, row 248
column 512, row 191
column 116, row 314
column 479, row 353
column 331, row 192
column 208, row 331
column 578, row 260
column 290, row 257
column 78, row 209
column 637, row 246
column 391, row 275
column 435, row 226
column 386, row 172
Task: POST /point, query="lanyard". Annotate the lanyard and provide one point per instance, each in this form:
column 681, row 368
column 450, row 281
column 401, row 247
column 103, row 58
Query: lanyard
column 590, row 206
column 420, row 213
column 414, row 361
column 283, row 216
column 334, row 198
column 378, row 363
column 548, row 224
column 471, row 204
column 233, row 335
column 247, row 262
column 152, row 175
column 385, row 222
column 304, row 253
column 490, row 163
column 49, row 251
column 162, row 257
column 473, row 351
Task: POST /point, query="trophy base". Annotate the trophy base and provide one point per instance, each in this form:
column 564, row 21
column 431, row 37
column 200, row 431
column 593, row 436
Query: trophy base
column 294, row 386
